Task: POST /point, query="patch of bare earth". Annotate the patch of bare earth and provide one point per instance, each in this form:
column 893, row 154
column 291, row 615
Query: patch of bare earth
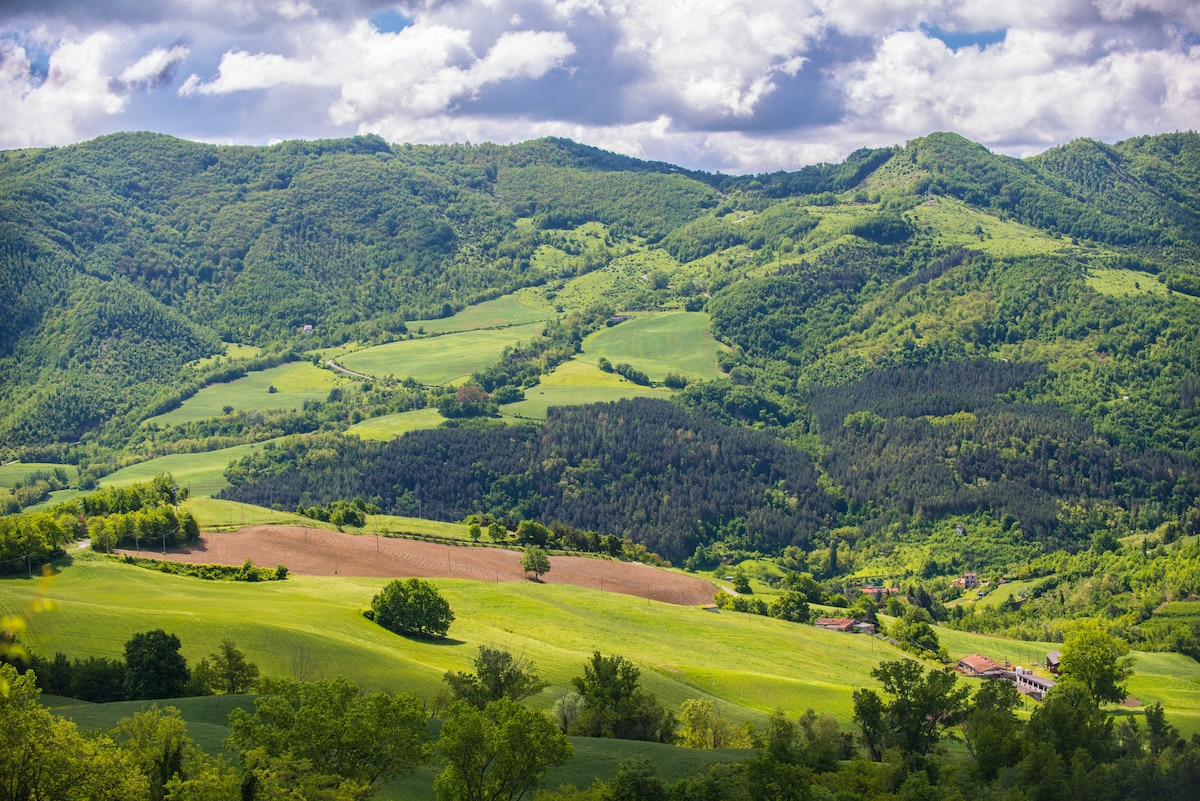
column 317, row 552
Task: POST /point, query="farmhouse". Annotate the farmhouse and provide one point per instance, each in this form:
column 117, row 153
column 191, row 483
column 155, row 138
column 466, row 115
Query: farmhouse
column 980, row 667
column 969, row 581
column 835, row 623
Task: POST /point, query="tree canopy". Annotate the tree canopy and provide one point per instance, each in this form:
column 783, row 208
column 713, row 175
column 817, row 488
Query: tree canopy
column 412, row 606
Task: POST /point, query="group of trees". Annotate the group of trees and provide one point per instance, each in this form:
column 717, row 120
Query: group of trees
column 152, row 668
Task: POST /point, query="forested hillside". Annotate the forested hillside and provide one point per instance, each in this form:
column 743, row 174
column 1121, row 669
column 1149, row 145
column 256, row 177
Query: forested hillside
column 917, row 339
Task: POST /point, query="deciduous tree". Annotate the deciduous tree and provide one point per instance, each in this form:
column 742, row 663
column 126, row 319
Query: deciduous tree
column 1098, row 661
column 154, row 668
column 535, row 561
column 498, row 674
column 338, row 730
column 412, row 606
column 498, row 753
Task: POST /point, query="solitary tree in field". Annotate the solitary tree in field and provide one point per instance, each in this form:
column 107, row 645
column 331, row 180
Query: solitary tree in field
column 535, row 561
column 412, row 606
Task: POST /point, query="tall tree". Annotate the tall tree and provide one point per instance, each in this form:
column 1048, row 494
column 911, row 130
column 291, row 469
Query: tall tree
column 615, row 706
column 498, row 674
column 535, row 561
column 920, row 707
column 1098, row 661
column 498, row 753
column 43, row 756
column 154, row 668
column 156, row 740
column 227, row 671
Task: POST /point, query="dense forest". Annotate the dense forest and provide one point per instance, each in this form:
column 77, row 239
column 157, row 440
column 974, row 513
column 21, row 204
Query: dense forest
column 642, row 469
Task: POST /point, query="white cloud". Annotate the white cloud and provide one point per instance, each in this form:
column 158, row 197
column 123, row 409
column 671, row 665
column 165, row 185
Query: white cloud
column 717, row 57
column 1035, row 88
column 420, row 70
column 150, row 68
column 75, row 92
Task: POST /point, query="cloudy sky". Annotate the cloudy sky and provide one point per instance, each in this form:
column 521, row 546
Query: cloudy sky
column 731, row 85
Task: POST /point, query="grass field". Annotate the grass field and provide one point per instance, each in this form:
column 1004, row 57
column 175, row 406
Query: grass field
column 678, row 342
column 1124, row 282
column 388, row 427
column 574, row 383
column 445, row 359
column 201, row 473
column 751, row 664
column 294, row 383
column 508, row 310
column 10, row 474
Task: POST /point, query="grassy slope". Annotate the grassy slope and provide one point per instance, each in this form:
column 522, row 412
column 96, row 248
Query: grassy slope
column 438, row 360
column 508, row 310
column 202, row 473
column 750, row 664
column 573, row 383
column 678, row 342
column 390, row 426
column 295, row 383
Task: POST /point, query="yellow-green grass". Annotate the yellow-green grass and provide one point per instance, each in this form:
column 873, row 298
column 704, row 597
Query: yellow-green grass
column 574, row 383
column 218, row 515
column 955, row 223
column 388, row 524
column 507, row 310
column 1124, row 282
column 13, row 472
column 390, row 426
column 294, row 383
column 445, row 359
column 202, row 473
column 233, row 352
column 752, row 664
column 677, row 342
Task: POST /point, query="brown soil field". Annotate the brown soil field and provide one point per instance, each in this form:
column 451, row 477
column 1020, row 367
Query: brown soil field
column 317, row 552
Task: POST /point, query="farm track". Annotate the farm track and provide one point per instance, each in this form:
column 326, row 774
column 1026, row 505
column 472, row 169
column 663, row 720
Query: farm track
column 317, row 552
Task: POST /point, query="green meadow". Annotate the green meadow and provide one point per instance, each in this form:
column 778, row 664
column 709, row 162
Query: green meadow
column 677, row 342
column 202, row 473
column 388, row 427
column 1124, row 282
column 445, row 359
column 13, row 472
column 313, row 625
column 294, row 384
column 507, row 310
column 574, row 383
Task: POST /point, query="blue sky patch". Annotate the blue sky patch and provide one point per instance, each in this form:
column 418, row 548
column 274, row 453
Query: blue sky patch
column 389, row 21
column 955, row 40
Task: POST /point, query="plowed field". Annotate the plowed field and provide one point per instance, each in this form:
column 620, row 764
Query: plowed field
column 317, row 552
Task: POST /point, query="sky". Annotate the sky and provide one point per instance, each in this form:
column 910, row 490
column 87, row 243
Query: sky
column 734, row 86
